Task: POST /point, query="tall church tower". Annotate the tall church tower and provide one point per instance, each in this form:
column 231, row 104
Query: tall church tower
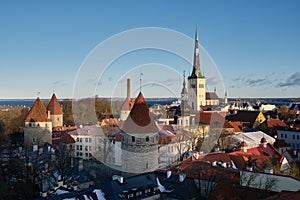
column 196, row 81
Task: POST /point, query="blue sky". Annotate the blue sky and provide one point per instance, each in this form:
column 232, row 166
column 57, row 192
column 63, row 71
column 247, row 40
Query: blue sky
column 255, row 44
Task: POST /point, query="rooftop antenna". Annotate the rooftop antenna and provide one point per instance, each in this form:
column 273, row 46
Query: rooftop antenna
column 141, row 73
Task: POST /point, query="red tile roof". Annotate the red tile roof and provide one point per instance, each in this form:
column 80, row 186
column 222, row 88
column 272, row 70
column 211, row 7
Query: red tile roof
column 237, row 126
column 275, row 123
column 210, row 117
column 139, row 119
column 200, row 169
column 54, row 107
column 37, row 113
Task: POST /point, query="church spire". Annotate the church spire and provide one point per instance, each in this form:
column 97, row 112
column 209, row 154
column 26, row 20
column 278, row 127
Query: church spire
column 183, row 91
column 196, row 65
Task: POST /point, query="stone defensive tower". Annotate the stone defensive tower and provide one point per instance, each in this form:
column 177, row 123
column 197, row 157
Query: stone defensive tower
column 139, row 139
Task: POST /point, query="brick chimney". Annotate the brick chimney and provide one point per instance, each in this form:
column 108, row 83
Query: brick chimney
column 128, row 88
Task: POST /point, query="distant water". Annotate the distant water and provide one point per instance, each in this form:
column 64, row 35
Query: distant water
column 151, row 102
column 29, row 102
column 17, row 102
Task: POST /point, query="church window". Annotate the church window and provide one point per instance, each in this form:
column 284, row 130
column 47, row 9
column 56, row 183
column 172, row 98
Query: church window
column 201, row 85
column 132, row 138
column 147, row 139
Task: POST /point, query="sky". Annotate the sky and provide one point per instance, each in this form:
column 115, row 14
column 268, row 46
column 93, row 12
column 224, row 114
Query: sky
column 253, row 46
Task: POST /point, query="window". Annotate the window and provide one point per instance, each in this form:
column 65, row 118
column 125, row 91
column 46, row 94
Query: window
column 293, row 137
column 80, row 147
column 77, row 148
column 281, row 135
column 285, row 136
column 201, row 85
column 90, row 140
column 86, row 139
column 193, row 86
column 138, row 193
column 132, row 138
column 297, row 137
column 90, row 148
column 147, row 139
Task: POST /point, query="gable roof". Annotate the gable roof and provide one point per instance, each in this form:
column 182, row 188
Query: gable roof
column 139, row 119
column 210, row 117
column 54, row 107
column 244, row 116
column 211, row 96
column 276, row 123
column 37, row 113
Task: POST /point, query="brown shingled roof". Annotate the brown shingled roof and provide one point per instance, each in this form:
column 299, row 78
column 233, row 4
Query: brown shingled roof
column 37, row 113
column 54, row 107
column 139, row 119
column 244, row 116
column 211, row 96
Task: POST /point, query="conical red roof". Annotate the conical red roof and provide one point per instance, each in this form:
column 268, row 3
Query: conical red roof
column 54, row 106
column 139, row 119
column 37, row 112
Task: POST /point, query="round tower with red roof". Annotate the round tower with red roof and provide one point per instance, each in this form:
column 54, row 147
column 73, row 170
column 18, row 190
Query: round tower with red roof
column 139, row 139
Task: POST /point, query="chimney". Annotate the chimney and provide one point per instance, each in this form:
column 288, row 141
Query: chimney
column 120, row 179
column 182, row 177
column 169, row 173
column 128, row 88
